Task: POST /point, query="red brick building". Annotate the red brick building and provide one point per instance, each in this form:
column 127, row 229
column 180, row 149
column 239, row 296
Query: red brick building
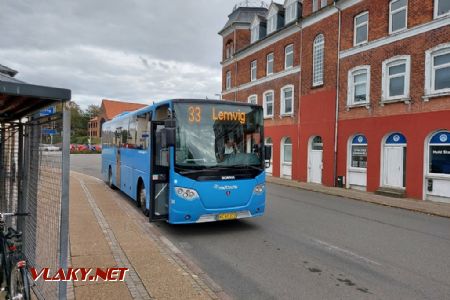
column 372, row 93
column 108, row 110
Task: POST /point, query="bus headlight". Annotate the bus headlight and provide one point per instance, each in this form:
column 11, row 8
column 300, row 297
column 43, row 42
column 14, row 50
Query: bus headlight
column 259, row 189
column 186, row 194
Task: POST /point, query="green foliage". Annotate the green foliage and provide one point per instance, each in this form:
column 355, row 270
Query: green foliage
column 79, row 123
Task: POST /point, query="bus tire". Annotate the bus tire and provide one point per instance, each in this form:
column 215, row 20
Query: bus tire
column 142, row 198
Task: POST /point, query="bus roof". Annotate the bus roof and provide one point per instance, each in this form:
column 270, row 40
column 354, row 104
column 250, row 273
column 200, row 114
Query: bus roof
column 165, row 102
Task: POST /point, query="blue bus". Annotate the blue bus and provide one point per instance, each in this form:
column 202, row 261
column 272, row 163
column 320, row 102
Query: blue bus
column 189, row 161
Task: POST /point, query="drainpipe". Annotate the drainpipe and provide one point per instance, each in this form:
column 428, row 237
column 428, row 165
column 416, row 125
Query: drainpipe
column 337, row 95
column 299, row 88
column 235, row 66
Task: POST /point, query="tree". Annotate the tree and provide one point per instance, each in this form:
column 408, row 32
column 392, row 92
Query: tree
column 79, row 121
column 93, row 111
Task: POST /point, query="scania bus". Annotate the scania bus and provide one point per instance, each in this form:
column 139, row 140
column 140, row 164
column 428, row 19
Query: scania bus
column 189, row 161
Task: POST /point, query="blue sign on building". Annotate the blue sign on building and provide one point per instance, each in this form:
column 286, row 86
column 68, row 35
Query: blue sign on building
column 48, row 131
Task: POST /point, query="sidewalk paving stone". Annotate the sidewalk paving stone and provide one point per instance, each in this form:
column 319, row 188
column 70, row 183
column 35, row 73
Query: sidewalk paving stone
column 106, row 231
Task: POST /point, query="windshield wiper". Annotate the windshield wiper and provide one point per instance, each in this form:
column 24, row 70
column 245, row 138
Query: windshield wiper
column 248, row 166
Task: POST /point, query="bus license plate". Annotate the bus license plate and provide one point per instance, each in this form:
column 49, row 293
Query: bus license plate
column 226, row 216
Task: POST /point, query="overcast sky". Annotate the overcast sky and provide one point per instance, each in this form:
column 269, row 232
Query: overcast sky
column 135, row 50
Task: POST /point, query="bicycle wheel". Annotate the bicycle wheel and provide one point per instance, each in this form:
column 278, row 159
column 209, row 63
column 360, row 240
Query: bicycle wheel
column 19, row 286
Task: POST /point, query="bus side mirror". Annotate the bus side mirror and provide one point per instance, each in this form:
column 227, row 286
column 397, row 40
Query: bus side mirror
column 267, row 153
column 168, row 137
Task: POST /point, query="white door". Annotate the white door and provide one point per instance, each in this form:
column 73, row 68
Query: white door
column 315, row 166
column 393, row 167
column 286, row 158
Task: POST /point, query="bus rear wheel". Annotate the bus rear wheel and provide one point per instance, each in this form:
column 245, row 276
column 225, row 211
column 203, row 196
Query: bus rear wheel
column 142, row 198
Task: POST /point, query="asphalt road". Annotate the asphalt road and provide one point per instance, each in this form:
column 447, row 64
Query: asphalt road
column 315, row 246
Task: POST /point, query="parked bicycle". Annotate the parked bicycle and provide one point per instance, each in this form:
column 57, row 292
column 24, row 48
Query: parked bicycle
column 13, row 266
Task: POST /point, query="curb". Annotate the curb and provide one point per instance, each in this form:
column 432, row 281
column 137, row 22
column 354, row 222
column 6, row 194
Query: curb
column 167, row 248
column 388, row 202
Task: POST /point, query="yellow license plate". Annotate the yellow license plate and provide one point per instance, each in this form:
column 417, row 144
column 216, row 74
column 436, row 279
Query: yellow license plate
column 226, row 216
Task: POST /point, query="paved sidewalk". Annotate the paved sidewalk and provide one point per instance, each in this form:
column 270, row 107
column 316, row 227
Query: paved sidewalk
column 428, row 207
column 107, row 231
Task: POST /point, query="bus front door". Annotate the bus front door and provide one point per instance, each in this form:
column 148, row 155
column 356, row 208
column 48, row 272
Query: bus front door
column 159, row 175
column 118, row 160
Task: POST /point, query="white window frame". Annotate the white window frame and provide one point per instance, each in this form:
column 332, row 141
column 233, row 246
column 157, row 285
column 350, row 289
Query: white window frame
column 436, row 6
column 282, row 98
column 319, row 81
column 272, row 23
column 291, row 11
column 355, row 27
column 270, row 61
column 429, row 69
column 254, row 70
column 254, row 32
column 251, row 97
column 351, row 85
column 286, row 53
column 228, row 80
column 391, row 14
column 267, row 116
column 395, row 61
column 315, row 5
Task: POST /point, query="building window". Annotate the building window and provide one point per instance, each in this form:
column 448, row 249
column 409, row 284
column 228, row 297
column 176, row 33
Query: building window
column 254, row 33
column 439, row 153
column 271, row 23
column 269, row 64
column 398, row 15
column 228, row 81
column 318, row 60
column 291, row 9
column 323, row 3
column 287, row 100
column 396, row 74
column 253, row 99
column 358, row 91
column 253, row 70
column 361, row 28
column 441, row 8
column 358, row 152
column 268, row 104
column 289, row 56
column 437, row 77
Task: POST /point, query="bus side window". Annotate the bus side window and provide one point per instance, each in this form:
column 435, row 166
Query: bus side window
column 143, row 131
column 132, row 132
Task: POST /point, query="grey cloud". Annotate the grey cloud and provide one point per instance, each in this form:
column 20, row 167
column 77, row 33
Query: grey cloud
column 136, row 50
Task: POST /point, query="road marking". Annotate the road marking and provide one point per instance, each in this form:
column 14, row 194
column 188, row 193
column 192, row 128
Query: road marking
column 345, row 251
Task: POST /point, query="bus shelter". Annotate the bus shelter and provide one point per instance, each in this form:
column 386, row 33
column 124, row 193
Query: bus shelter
column 34, row 174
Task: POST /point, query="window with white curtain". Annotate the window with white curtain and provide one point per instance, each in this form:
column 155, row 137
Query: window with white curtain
column 287, row 100
column 253, row 70
column 289, row 56
column 398, row 15
column 318, row 59
column 268, row 104
column 358, row 91
column 269, row 64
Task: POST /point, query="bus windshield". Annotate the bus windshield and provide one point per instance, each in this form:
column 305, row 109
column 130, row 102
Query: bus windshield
column 213, row 135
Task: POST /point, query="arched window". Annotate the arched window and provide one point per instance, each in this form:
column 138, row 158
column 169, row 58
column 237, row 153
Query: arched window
column 268, row 104
column 398, row 15
column 359, row 152
column 358, row 91
column 439, row 153
column 287, row 100
column 318, row 60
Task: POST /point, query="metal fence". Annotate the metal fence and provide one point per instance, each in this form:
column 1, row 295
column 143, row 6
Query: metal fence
column 34, row 170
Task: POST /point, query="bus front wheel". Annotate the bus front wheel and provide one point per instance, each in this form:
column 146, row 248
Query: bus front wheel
column 142, row 198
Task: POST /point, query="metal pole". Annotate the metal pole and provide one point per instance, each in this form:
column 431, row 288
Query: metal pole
column 64, row 227
column 20, row 199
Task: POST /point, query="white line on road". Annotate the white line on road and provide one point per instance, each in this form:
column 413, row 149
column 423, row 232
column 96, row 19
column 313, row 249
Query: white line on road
column 344, row 251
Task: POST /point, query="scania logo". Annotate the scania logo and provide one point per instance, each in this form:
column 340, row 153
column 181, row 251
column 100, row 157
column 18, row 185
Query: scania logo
column 228, row 177
column 225, row 187
column 228, row 193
